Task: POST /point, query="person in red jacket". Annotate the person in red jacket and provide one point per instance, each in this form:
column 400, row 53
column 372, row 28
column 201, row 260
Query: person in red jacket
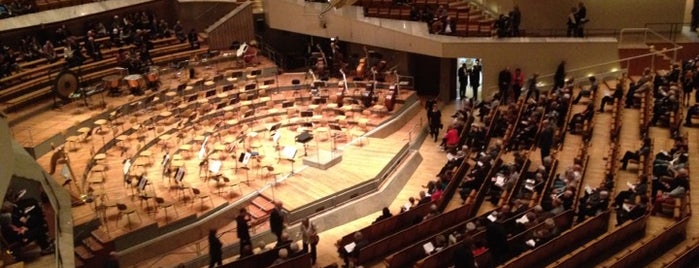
column 452, row 137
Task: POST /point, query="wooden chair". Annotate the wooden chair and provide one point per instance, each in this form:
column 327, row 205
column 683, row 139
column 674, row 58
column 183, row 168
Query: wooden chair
column 125, row 210
column 197, row 194
column 162, row 204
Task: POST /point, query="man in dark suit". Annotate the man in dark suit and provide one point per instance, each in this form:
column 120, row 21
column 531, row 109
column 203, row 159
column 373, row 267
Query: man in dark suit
column 277, row 219
column 463, row 80
column 243, row 229
column 474, row 78
column 546, row 140
column 504, row 82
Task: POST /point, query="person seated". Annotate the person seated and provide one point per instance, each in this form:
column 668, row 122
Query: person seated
column 587, row 92
column 675, row 188
column 581, row 117
column 352, row 256
column 636, row 189
column 643, row 151
column 385, row 214
column 548, row 231
column 609, row 98
column 630, row 211
column 18, row 233
column 691, row 112
column 593, row 203
column 284, row 241
column 283, row 255
column 193, row 39
column 250, row 56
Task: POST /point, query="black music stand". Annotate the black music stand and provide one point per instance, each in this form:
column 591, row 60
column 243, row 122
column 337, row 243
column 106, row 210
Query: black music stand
column 304, row 138
column 245, row 158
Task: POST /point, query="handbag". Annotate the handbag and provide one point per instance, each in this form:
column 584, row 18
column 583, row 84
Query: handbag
column 313, row 240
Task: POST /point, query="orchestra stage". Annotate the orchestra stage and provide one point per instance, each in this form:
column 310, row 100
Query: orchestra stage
column 230, row 152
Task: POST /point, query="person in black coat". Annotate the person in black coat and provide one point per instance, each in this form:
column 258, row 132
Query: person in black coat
column 277, row 219
column 546, row 140
column 504, row 83
column 435, row 122
column 463, row 254
column 215, row 249
column 474, row 79
column 560, row 76
column 243, row 228
column 463, row 80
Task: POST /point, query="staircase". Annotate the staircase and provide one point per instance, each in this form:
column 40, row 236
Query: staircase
column 93, row 251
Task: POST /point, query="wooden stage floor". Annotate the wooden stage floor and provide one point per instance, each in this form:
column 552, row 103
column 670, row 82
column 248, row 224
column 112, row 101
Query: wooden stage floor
column 361, row 161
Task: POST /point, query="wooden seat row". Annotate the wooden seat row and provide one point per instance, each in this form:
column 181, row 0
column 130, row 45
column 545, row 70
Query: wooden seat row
column 652, row 247
column 601, row 247
column 564, row 243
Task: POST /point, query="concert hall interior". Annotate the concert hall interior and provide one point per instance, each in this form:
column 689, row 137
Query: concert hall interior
column 140, row 133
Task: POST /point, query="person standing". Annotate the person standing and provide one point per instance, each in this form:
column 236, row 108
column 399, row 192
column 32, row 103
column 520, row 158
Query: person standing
column 545, row 139
column 463, row 80
column 504, row 83
column 560, row 76
column 215, row 249
column 474, row 79
column 581, row 18
column 517, row 83
column 310, row 238
column 435, row 122
column 277, row 219
column 572, row 22
column 515, row 20
column 243, row 228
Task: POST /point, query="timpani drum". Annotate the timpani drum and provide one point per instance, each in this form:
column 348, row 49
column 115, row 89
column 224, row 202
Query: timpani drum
column 153, row 74
column 111, row 83
column 135, row 81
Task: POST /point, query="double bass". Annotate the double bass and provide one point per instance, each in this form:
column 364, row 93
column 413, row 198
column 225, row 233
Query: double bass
column 361, row 67
column 390, row 99
column 321, row 62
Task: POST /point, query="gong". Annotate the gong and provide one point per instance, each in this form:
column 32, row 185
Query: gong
column 66, row 84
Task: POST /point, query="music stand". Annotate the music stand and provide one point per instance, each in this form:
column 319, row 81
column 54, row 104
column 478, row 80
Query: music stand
column 304, row 138
column 289, row 153
column 334, row 127
column 287, row 104
column 245, row 158
column 214, row 168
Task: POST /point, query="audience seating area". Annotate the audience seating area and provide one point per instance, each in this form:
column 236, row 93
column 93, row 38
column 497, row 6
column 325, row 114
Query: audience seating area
column 466, row 19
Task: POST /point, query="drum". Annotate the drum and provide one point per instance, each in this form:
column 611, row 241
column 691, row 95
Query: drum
column 153, row 74
column 134, row 80
column 111, row 81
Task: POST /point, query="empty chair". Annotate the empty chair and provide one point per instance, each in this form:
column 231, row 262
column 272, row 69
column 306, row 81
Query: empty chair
column 124, row 210
column 162, row 204
column 201, row 196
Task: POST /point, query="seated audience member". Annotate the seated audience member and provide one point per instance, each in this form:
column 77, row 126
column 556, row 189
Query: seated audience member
column 640, row 188
column 284, row 241
column 691, row 112
column 675, row 188
column 643, row 151
column 283, row 256
column 350, row 258
column 581, row 117
column 385, row 214
column 424, row 198
column 630, row 211
column 193, row 38
column 548, row 231
column 434, row 211
column 609, row 98
column 593, row 203
column 587, row 92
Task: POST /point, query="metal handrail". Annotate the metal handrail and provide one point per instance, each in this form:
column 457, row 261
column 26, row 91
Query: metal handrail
column 645, row 32
column 674, row 27
column 652, row 53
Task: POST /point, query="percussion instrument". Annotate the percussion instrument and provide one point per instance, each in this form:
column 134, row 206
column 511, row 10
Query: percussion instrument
column 111, row 83
column 153, row 77
column 65, row 84
column 135, row 81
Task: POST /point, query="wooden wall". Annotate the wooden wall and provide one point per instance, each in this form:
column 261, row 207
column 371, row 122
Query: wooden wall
column 237, row 25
